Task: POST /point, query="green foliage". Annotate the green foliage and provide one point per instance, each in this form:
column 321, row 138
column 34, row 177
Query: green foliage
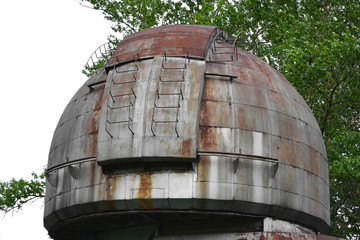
column 15, row 193
column 345, row 197
column 344, row 151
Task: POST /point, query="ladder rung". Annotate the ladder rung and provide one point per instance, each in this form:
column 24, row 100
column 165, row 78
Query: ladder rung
column 119, row 83
column 170, row 94
column 125, row 106
column 125, row 121
column 173, row 121
column 121, row 95
column 173, row 68
column 128, row 70
column 178, row 106
column 175, row 80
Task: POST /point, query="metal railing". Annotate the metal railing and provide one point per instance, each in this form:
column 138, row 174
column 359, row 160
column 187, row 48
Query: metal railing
column 99, row 58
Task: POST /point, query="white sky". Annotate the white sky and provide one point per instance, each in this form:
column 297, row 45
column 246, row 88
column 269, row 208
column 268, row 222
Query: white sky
column 44, row 45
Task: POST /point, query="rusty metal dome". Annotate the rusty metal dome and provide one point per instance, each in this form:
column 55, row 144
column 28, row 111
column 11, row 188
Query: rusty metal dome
column 184, row 132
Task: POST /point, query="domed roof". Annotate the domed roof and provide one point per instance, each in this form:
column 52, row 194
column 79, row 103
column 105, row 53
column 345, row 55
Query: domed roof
column 182, row 119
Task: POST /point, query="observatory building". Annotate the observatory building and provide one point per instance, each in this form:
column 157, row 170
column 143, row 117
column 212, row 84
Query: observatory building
column 184, row 135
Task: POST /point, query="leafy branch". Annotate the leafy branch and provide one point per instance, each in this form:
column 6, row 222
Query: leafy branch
column 14, row 194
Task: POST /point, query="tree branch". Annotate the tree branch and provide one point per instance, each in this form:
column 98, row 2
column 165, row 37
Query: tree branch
column 329, row 108
column 353, row 121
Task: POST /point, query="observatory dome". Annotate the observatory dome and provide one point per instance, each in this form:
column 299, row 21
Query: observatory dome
column 183, row 132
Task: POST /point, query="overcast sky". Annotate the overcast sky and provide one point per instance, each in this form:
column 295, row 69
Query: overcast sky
column 44, row 45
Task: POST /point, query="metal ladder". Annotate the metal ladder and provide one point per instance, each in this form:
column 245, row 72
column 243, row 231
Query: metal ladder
column 165, row 100
column 117, row 100
column 100, row 57
column 220, row 38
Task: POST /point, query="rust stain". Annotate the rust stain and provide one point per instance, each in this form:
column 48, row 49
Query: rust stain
column 176, row 40
column 208, row 139
column 110, row 187
column 94, row 125
column 101, row 185
column 144, row 191
column 214, row 110
column 98, row 103
column 92, row 174
column 207, row 90
column 243, row 60
column 280, row 236
column 203, row 167
column 186, row 147
column 314, row 161
column 288, row 151
column 92, row 141
column 205, row 113
column 241, row 73
column 207, row 109
column 211, row 90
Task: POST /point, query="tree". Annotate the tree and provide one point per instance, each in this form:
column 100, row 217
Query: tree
column 314, row 44
column 16, row 193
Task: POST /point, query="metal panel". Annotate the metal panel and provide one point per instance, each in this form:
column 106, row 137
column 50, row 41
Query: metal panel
column 122, row 111
column 75, row 136
column 248, row 140
column 153, row 116
column 176, row 40
column 173, row 139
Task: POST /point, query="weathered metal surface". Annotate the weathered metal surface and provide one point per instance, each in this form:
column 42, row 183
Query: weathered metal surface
column 176, row 40
column 153, row 116
column 75, row 136
column 250, row 143
column 242, row 119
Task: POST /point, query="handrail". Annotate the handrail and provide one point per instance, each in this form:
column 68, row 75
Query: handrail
column 102, row 53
